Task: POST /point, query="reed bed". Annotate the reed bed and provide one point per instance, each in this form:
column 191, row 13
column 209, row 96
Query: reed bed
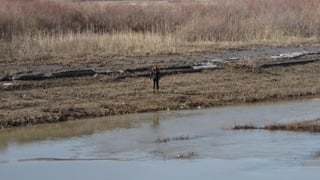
column 63, row 28
column 305, row 126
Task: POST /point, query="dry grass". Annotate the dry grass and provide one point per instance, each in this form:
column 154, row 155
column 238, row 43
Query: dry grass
column 69, row 47
column 305, row 126
column 65, row 33
column 86, row 44
column 44, row 28
column 48, row 101
column 310, row 126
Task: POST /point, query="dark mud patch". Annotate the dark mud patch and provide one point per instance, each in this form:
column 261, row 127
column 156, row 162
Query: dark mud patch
column 188, row 155
column 290, row 61
column 72, row 159
column 315, row 155
column 117, row 74
column 168, row 139
column 3, row 162
column 182, row 155
column 246, row 127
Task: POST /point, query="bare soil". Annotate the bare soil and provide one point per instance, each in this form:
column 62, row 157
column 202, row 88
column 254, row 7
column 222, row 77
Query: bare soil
column 61, row 99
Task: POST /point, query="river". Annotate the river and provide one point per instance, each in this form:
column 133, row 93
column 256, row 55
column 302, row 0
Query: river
column 168, row 145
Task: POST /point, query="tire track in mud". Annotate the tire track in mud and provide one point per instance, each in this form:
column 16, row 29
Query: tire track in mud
column 288, row 59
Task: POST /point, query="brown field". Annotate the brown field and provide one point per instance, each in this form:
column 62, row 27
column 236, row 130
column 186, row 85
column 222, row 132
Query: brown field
column 64, row 30
column 53, row 100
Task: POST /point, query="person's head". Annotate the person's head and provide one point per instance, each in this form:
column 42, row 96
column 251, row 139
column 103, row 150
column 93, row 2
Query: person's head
column 155, row 67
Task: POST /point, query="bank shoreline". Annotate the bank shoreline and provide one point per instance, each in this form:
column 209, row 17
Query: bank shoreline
column 51, row 100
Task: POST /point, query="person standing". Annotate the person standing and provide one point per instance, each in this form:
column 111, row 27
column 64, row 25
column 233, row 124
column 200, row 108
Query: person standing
column 155, row 76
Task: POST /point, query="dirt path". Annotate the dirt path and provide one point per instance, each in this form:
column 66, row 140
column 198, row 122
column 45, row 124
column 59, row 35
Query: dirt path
column 61, row 99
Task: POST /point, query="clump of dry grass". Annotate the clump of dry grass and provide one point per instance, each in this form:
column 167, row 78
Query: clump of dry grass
column 253, row 64
column 309, row 126
column 245, row 127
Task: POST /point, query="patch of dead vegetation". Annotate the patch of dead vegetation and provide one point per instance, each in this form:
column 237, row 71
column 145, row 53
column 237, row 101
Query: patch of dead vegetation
column 305, row 126
column 55, row 100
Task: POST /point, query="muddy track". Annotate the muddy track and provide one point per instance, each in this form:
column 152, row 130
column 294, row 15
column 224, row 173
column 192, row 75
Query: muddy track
column 298, row 60
column 119, row 74
column 145, row 71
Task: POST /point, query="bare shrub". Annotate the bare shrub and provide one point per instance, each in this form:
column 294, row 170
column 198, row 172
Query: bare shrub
column 254, row 64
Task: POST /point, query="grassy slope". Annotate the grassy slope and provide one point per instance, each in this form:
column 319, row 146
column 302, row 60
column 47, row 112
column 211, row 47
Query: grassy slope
column 64, row 99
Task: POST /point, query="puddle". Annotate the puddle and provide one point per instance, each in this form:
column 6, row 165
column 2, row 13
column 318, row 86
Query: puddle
column 174, row 144
column 291, row 55
column 273, row 53
column 205, row 66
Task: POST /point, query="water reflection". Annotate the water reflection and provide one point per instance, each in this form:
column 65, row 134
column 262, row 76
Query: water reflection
column 63, row 130
column 315, row 155
column 155, row 120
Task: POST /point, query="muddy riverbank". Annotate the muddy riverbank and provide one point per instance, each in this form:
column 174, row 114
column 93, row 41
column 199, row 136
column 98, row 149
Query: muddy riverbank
column 112, row 88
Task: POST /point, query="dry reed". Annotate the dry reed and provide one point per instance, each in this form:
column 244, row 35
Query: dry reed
column 33, row 28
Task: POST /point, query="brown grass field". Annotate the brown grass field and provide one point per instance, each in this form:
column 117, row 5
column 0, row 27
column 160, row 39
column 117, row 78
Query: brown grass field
column 67, row 30
column 53, row 100
column 75, row 35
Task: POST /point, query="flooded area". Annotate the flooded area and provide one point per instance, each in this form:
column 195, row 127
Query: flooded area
column 168, row 144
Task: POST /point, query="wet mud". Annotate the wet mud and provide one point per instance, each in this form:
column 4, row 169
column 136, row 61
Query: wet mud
column 173, row 64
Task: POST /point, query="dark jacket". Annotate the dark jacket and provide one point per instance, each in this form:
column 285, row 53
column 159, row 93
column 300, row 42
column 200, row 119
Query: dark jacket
column 155, row 74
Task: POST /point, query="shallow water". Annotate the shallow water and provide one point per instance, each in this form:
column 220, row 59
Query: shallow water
column 168, row 145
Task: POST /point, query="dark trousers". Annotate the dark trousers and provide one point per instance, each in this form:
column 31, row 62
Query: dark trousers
column 155, row 84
